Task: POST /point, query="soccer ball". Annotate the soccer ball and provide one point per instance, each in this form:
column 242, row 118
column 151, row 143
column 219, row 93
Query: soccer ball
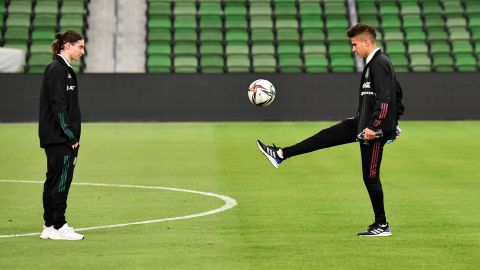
column 261, row 93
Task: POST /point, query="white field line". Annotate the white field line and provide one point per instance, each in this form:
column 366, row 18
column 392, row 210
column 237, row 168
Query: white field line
column 229, row 203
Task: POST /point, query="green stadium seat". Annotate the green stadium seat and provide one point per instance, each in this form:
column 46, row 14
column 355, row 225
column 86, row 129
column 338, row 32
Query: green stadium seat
column 211, row 64
column 285, row 22
column 43, row 34
column 311, row 21
column 310, row 8
column 19, row 7
column 18, row 20
column 264, row 63
column 263, row 48
column 443, row 63
column 234, row 21
column 159, row 34
column 391, row 21
column 22, row 45
column 420, row 63
column 185, row 21
column 185, row 48
column 316, row 63
column 211, row 35
column 184, row 8
column 314, row 47
column 412, row 21
column 159, row 8
column 290, row 63
column 313, row 34
column 475, row 33
column 417, row 47
column 260, row 21
column 409, row 8
column 211, row 48
column 72, row 21
column 159, row 64
column 40, row 60
column 342, row 63
column 462, row 46
column 46, row 7
column 335, row 8
column 339, row 47
column 337, row 22
column 367, row 8
column 210, row 21
column 370, row 20
column 210, row 8
column 456, row 21
column 260, row 8
column 459, row 33
column 19, row 34
column 434, row 34
column 388, row 8
column 434, row 20
column 472, row 7
column 399, row 61
column 466, row 62
column 159, row 22
column 337, row 34
column 391, row 35
column 160, row 48
column 41, row 48
column 288, row 35
column 395, row 47
column 185, row 34
column 474, row 21
column 233, row 8
column 45, row 21
column 452, row 8
column 237, row 47
column 236, row 35
column 287, row 47
column 439, row 47
column 260, row 34
column 415, row 34
column 432, row 7
column 185, row 64
column 238, row 63
column 73, row 7
column 285, row 8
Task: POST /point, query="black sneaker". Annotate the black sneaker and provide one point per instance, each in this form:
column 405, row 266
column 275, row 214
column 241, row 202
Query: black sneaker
column 376, row 229
column 271, row 153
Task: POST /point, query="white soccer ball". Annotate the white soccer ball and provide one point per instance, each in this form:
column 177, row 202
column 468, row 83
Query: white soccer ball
column 261, row 93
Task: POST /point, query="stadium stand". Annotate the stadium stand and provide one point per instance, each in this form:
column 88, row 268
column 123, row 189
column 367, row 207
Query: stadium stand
column 31, row 26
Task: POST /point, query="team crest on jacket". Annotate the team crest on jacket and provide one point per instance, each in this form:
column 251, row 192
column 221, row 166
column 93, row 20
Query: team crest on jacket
column 69, row 76
column 367, row 72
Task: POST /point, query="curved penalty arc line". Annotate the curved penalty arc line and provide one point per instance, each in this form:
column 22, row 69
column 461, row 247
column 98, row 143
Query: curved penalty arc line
column 229, row 203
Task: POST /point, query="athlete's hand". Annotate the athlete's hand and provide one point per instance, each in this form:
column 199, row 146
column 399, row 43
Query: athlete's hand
column 75, row 145
column 369, row 134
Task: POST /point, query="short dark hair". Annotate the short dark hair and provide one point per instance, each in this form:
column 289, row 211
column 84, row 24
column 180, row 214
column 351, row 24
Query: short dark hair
column 361, row 28
column 62, row 38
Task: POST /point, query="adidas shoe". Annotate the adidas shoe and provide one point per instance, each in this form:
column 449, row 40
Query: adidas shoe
column 376, row 229
column 271, row 153
column 66, row 233
column 47, row 231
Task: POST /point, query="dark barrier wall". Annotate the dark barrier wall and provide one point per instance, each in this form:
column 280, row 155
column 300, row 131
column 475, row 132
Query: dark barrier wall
column 217, row 97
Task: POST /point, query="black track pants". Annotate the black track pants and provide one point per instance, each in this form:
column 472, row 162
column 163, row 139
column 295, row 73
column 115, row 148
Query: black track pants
column 61, row 160
column 343, row 133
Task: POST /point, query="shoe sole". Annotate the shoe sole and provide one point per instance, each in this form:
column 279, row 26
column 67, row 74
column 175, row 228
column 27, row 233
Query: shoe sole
column 272, row 160
column 66, row 239
column 379, row 235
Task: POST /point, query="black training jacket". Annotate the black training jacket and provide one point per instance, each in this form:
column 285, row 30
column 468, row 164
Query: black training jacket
column 380, row 98
column 59, row 119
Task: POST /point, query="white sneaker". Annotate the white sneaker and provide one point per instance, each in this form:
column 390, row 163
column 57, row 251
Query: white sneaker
column 47, row 231
column 66, row 233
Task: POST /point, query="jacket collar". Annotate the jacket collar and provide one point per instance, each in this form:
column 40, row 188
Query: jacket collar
column 377, row 53
column 62, row 61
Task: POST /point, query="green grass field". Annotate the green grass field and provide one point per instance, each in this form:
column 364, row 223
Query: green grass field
column 305, row 215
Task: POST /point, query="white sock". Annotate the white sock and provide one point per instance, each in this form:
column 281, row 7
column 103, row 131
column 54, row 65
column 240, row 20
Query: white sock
column 280, row 153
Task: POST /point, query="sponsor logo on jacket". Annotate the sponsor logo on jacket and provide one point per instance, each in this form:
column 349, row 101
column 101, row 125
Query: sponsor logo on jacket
column 70, row 87
column 366, row 85
column 368, row 93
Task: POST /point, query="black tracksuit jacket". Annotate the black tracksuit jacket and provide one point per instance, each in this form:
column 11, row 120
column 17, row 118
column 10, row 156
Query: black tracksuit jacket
column 59, row 119
column 380, row 97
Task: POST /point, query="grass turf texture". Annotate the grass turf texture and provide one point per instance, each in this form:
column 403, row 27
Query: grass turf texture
column 304, row 215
